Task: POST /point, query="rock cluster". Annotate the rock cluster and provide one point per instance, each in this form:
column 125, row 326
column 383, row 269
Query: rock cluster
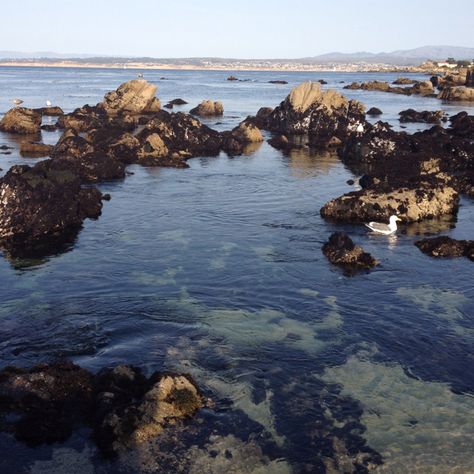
column 424, row 88
column 21, row 120
column 122, row 406
column 340, row 250
column 426, row 116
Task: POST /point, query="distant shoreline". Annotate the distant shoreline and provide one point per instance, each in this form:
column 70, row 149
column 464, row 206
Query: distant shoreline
column 230, row 68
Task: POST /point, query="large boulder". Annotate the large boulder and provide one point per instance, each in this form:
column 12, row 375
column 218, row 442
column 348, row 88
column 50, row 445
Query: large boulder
column 340, row 250
column 21, row 120
column 40, row 202
column 460, row 93
column 137, row 96
column 411, row 205
column 208, row 108
column 426, row 116
column 321, row 114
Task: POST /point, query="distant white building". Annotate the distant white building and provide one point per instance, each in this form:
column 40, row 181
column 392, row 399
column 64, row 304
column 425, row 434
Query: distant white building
column 449, row 65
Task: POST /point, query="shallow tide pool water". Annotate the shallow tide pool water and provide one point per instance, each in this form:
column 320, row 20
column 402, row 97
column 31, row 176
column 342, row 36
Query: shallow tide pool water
column 217, row 271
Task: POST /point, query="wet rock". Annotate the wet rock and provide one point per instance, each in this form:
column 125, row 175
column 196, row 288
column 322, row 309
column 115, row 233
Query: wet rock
column 411, row 205
column 460, row 93
column 322, row 81
column 83, row 119
column 21, row 120
column 426, row 116
column 340, row 250
column 50, row 111
column 444, row 246
column 232, row 78
column 280, row 142
column 462, row 125
column 374, row 111
column 123, row 407
column 71, row 145
column 137, row 96
column 424, row 88
column 177, row 101
column 321, row 115
column 49, row 127
column 240, row 137
column 208, row 108
column 470, row 78
column 40, row 202
column 403, row 81
column 261, row 119
column 35, row 149
column 278, row 82
column 168, row 106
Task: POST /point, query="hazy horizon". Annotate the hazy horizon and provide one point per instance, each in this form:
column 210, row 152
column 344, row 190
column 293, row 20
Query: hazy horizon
column 184, row 29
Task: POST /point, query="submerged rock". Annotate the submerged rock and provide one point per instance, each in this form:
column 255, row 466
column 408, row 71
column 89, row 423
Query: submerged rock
column 340, row 250
column 374, row 111
column 208, row 108
column 21, row 120
column 280, row 142
column 411, row 205
column 444, row 246
column 278, row 82
column 40, row 202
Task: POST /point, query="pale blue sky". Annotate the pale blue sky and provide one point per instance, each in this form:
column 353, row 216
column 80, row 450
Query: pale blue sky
column 240, row 28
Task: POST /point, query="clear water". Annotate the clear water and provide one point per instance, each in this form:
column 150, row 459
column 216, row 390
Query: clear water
column 217, row 271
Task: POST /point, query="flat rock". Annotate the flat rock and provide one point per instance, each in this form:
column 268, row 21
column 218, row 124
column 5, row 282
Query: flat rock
column 444, row 246
column 35, row 149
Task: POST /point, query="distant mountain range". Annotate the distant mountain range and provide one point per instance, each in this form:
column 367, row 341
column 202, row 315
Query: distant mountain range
column 401, row 57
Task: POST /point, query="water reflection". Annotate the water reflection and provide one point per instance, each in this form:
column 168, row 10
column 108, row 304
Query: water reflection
column 308, row 163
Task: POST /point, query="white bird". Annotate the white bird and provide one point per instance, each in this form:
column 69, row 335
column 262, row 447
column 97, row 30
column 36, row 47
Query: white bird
column 17, row 102
column 360, row 129
column 386, row 229
column 140, row 74
column 48, row 103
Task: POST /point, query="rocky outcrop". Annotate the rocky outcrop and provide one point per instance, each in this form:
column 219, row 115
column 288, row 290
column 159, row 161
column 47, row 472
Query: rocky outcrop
column 137, row 96
column 374, row 111
column 411, row 205
column 426, row 116
column 424, row 88
column 34, row 149
column 280, row 142
column 278, row 82
column 122, row 406
column 21, row 120
column 83, row 119
column 208, row 108
column 460, row 93
column 340, row 250
column 446, row 247
column 174, row 102
column 52, row 111
column 40, row 202
column 403, row 81
column 238, row 139
column 462, row 125
column 320, row 114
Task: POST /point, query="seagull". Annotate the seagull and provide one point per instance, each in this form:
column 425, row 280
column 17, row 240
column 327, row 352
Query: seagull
column 17, row 102
column 386, row 229
column 140, row 74
column 48, row 103
column 360, row 129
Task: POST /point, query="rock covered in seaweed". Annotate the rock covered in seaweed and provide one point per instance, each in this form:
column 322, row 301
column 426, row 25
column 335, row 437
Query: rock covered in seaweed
column 426, row 116
column 341, row 250
column 21, row 120
column 411, row 205
column 444, row 246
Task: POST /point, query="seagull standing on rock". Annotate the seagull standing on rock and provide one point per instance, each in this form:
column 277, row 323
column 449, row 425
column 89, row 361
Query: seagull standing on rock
column 17, row 102
column 385, row 229
column 48, row 103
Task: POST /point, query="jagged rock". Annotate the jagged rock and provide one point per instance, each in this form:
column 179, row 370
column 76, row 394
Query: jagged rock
column 444, row 246
column 83, row 119
column 374, row 111
column 457, row 93
column 462, row 125
column 21, row 120
column 50, row 111
column 136, row 97
column 322, row 115
column 261, row 119
column 422, row 88
column 208, row 108
column 340, row 250
column 403, row 81
column 426, row 116
column 40, row 202
column 247, row 132
column 35, row 149
column 411, row 205
column 71, row 145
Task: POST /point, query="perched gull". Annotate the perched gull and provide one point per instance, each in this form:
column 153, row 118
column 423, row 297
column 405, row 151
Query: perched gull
column 386, row 229
column 360, row 129
column 17, row 102
column 48, row 103
column 140, row 74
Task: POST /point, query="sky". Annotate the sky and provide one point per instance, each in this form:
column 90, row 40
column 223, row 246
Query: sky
column 238, row 28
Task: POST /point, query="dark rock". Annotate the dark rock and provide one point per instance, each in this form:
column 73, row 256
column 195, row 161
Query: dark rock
column 208, row 108
column 374, row 111
column 462, row 125
column 232, row 78
column 280, row 142
column 261, row 119
column 35, row 149
column 470, row 78
column 322, row 81
column 168, row 106
column 426, row 116
column 50, row 111
column 403, row 81
column 41, row 202
column 49, row 127
column 350, row 182
column 177, row 102
column 21, row 120
column 278, row 82
column 444, row 246
column 340, row 250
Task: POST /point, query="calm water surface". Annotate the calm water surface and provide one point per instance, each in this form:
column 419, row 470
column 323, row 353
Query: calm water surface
column 217, row 271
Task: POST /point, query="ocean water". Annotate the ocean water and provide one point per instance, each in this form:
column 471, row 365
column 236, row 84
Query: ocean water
column 217, row 271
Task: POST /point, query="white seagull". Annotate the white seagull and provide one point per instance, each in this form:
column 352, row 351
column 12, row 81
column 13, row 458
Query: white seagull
column 48, row 103
column 17, row 102
column 386, row 229
column 360, row 129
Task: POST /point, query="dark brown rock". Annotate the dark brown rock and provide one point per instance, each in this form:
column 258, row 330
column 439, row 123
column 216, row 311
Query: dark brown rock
column 444, row 246
column 208, row 108
column 50, row 111
column 35, row 149
column 426, row 116
column 374, row 111
column 21, row 120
